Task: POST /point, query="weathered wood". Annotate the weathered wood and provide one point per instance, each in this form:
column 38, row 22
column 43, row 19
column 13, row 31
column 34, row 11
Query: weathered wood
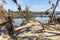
column 53, row 13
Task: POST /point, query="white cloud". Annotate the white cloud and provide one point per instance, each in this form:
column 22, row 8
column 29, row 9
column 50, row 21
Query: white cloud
column 37, row 8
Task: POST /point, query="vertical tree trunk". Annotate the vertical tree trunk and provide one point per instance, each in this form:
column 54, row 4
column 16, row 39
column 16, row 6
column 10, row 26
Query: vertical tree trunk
column 53, row 15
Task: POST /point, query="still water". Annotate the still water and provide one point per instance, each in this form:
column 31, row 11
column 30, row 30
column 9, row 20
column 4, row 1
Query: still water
column 17, row 22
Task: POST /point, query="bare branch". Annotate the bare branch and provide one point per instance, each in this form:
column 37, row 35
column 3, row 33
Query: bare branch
column 15, row 1
column 4, row 1
column 49, row 2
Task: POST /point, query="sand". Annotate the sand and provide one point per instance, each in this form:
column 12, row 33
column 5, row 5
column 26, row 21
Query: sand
column 32, row 31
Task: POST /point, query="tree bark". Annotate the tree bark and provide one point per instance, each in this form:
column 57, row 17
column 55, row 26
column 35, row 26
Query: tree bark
column 53, row 15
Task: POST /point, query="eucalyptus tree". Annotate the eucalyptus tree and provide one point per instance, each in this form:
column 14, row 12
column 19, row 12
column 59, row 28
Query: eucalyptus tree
column 53, row 16
column 54, row 6
column 27, row 13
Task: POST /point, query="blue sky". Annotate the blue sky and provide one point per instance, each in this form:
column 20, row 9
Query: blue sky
column 34, row 5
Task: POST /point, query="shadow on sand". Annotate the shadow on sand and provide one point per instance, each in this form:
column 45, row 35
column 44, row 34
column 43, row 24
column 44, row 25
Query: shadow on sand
column 55, row 34
column 2, row 25
column 26, row 29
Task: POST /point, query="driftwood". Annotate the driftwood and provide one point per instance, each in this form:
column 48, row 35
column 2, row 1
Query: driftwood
column 53, row 13
column 42, row 25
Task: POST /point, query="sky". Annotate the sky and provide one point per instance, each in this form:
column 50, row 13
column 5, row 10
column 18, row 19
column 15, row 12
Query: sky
column 34, row 5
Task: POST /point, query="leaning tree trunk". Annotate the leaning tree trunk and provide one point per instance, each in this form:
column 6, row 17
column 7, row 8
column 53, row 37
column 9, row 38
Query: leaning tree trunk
column 19, row 8
column 53, row 15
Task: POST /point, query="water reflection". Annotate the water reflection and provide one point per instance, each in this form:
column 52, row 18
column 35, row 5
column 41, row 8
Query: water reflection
column 41, row 19
column 17, row 22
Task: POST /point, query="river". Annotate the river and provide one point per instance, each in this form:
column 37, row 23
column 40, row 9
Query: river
column 17, row 22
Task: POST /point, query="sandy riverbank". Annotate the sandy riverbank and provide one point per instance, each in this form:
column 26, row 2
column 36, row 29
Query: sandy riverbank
column 32, row 31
